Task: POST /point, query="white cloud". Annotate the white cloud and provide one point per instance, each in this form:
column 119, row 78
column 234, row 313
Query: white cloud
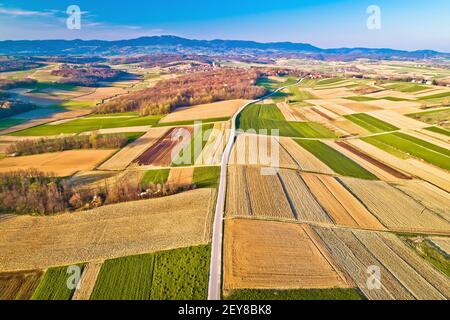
column 24, row 13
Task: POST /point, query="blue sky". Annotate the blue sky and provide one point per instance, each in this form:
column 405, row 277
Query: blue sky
column 405, row 24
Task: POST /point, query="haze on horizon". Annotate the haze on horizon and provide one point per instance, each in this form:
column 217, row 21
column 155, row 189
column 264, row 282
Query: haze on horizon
column 407, row 25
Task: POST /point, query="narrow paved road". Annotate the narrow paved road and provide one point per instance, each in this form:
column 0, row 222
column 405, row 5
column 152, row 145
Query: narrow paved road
column 215, row 271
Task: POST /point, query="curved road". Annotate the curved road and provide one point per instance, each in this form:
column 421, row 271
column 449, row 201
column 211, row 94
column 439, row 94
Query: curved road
column 215, row 271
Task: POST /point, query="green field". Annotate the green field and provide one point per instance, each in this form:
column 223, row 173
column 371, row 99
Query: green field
column 439, row 130
column 272, row 85
column 191, row 122
column 433, row 116
column 128, row 278
column 302, row 294
column 335, row 160
column 327, row 82
column 53, row 285
column 370, row 123
column 206, row 177
column 436, row 96
column 90, row 123
column 257, row 117
column 74, row 105
column 385, row 147
column 193, row 153
column 361, row 98
column 168, row 275
column 181, row 274
column 415, row 147
column 155, row 177
column 407, row 87
column 10, row 122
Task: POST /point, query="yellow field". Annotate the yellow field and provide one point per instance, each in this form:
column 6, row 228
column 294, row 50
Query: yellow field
column 263, row 255
column 404, row 275
column 87, row 281
column 182, row 220
column 342, row 207
column 205, row 111
column 394, row 209
column 101, row 94
column 179, row 177
column 62, row 164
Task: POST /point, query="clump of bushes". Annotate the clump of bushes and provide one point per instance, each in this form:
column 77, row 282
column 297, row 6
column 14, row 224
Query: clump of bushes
column 35, row 192
column 86, row 75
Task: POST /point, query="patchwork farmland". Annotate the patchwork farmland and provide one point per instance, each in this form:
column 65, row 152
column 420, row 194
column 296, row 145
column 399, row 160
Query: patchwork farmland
column 357, row 177
column 353, row 196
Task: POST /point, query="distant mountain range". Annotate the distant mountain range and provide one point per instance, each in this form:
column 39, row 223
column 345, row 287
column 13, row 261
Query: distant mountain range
column 177, row 44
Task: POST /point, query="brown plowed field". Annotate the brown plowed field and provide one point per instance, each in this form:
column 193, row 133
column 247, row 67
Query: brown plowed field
column 160, row 154
column 273, row 255
column 343, row 208
column 124, row 157
column 384, row 167
column 18, row 285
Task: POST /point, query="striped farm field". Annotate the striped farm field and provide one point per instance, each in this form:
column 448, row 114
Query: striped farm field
column 18, row 285
column 306, row 160
column 370, row 123
column 433, row 116
column 191, row 151
column 428, row 195
column 342, row 206
column 439, row 130
column 179, row 274
column 418, row 148
column 90, row 123
column 394, row 209
column 126, row 155
column 251, row 194
column 53, row 284
column 335, row 160
column 405, row 275
column 269, row 117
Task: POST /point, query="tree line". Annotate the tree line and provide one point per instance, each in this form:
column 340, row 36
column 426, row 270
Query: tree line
column 92, row 141
column 191, row 89
column 35, row 192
